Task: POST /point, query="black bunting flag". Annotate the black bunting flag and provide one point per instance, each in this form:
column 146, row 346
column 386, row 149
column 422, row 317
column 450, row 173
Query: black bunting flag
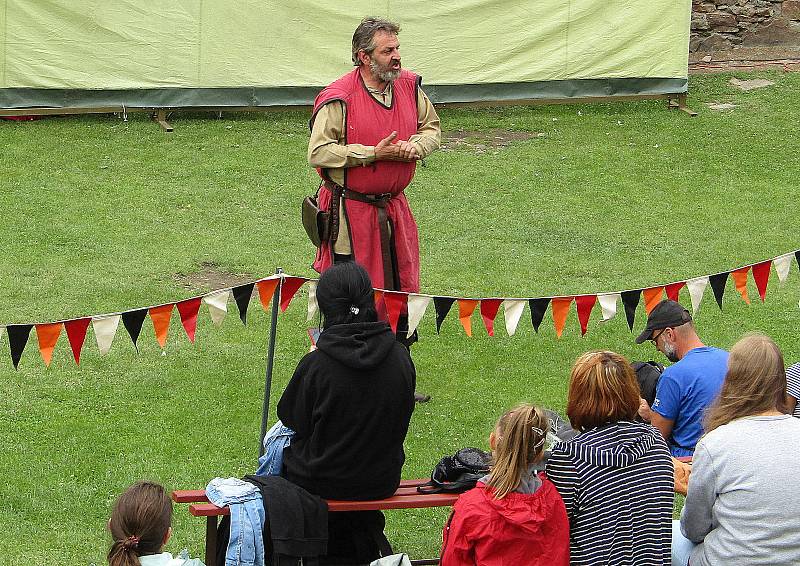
column 630, row 300
column 133, row 321
column 17, row 338
column 442, row 306
column 538, row 308
column 718, row 285
column 797, row 257
column 241, row 295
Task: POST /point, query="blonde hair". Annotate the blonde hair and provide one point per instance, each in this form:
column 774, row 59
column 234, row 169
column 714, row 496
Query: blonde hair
column 602, row 389
column 519, row 442
column 755, row 382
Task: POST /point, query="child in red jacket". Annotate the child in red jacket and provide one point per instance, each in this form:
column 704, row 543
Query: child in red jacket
column 512, row 516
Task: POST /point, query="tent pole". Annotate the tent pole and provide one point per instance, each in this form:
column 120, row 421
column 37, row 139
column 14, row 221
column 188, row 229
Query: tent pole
column 273, row 328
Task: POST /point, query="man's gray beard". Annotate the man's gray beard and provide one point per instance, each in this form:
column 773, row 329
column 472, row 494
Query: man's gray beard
column 386, row 76
column 670, row 353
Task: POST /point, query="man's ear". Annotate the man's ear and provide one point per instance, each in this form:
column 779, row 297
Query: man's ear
column 166, row 537
column 364, row 58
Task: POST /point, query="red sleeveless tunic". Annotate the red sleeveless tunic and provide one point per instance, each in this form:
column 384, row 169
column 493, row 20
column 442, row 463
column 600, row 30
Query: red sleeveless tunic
column 367, row 122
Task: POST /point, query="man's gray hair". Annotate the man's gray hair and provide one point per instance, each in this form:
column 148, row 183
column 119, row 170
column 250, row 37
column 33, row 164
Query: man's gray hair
column 364, row 36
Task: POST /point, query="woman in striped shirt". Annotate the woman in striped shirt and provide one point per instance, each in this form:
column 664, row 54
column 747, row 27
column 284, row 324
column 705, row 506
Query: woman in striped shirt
column 616, row 475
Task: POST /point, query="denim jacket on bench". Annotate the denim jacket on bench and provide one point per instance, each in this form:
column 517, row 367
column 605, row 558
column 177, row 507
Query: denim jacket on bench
column 246, row 545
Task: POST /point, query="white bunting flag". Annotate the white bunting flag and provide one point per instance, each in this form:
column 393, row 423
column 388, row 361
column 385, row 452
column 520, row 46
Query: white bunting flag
column 2, row 329
column 217, row 305
column 105, row 328
column 416, row 308
column 782, row 265
column 313, row 306
column 696, row 288
column 608, row 303
column 512, row 310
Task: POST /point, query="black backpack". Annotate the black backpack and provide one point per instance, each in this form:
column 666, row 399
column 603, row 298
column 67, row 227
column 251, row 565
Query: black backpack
column 648, row 374
column 458, row 473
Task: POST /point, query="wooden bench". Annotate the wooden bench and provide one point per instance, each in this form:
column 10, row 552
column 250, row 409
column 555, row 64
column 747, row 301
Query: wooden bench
column 406, row 497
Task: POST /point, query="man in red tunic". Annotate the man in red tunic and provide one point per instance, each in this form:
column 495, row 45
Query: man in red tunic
column 368, row 130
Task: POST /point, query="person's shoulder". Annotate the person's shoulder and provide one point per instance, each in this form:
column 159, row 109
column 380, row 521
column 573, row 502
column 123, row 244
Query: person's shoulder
column 793, row 373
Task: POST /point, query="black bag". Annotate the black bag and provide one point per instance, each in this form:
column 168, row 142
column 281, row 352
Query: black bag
column 315, row 221
column 459, row 472
column 648, row 374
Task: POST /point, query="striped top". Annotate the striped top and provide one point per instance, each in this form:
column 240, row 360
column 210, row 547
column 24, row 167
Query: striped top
column 617, row 484
column 793, row 385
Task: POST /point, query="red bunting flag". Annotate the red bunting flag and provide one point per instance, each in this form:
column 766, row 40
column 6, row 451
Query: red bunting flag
column 584, row 304
column 188, row 310
column 160, row 317
column 266, row 289
column 489, row 308
column 76, row 333
column 288, row 289
column 761, row 277
column 560, row 309
column 465, row 309
column 48, row 336
column 673, row 290
column 395, row 303
column 740, row 278
column 652, row 297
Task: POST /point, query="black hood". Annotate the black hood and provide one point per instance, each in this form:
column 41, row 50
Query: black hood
column 361, row 345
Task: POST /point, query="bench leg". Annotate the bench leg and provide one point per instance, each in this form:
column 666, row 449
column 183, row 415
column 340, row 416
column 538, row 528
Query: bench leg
column 211, row 541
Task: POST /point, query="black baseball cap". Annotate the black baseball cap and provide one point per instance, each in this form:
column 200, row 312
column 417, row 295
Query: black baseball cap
column 666, row 314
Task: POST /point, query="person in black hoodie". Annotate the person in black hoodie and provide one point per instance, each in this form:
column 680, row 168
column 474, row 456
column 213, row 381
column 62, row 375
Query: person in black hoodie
column 350, row 403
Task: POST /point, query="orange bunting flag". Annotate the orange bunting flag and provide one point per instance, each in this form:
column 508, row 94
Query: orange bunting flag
column 160, row 317
column 395, row 303
column 266, row 289
column 465, row 309
column 48, row 336
column 761, row 277
column 489, row 308
column 740, row 278
column 288, row 289
column 188, row 310
column 584, row 304
column 560, row 309
column 652, row 297
column 673, row 290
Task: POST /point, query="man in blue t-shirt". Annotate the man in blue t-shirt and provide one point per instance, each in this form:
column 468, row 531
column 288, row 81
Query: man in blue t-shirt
column 689, row 385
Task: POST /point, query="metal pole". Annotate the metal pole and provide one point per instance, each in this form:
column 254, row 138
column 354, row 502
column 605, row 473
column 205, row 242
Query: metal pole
column 273, row 328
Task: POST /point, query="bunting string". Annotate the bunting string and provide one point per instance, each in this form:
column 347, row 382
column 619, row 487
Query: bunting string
column 390, row 304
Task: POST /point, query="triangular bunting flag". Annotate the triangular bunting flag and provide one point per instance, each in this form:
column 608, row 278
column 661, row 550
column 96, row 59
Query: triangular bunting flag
column 417, row 304
column 266, row 289
column 133, row 321
column 2, row 331
column 188, row 310
column 718, row 286
column 696, row 288
column 17, row 338
column 76, row 333
column 797, row 257
column 560, row 312
column 512, row 309
column 289, row 287
column 782, row 266
column 740, row 278
column 160, row 317
column 394, row 307
column 761, row 277
column 584, row 305
column 313, row 305
column 538, row 308
column 465, row 309
column 608, row 304
column 47, row 335
column 242, row 295
column 673, row 290
column 442, row 306
column 630, row 299
column 652, row 297
column 489, row 308
column 217, row 305
column 380, row 304
column 105, row 327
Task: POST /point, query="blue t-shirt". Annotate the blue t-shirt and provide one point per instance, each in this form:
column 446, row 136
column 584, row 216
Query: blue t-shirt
column 684, row 391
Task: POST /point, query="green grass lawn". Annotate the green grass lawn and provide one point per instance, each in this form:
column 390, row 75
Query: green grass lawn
column 102, row 216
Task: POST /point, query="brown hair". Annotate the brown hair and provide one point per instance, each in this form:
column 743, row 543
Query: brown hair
column 139, row 522
column 364, row 36
column 602, row 389
column 755, row 382
column 519, row 442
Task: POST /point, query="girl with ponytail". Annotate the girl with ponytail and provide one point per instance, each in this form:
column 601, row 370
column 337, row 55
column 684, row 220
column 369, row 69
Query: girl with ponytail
column 513, row 515
column 140, row 527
